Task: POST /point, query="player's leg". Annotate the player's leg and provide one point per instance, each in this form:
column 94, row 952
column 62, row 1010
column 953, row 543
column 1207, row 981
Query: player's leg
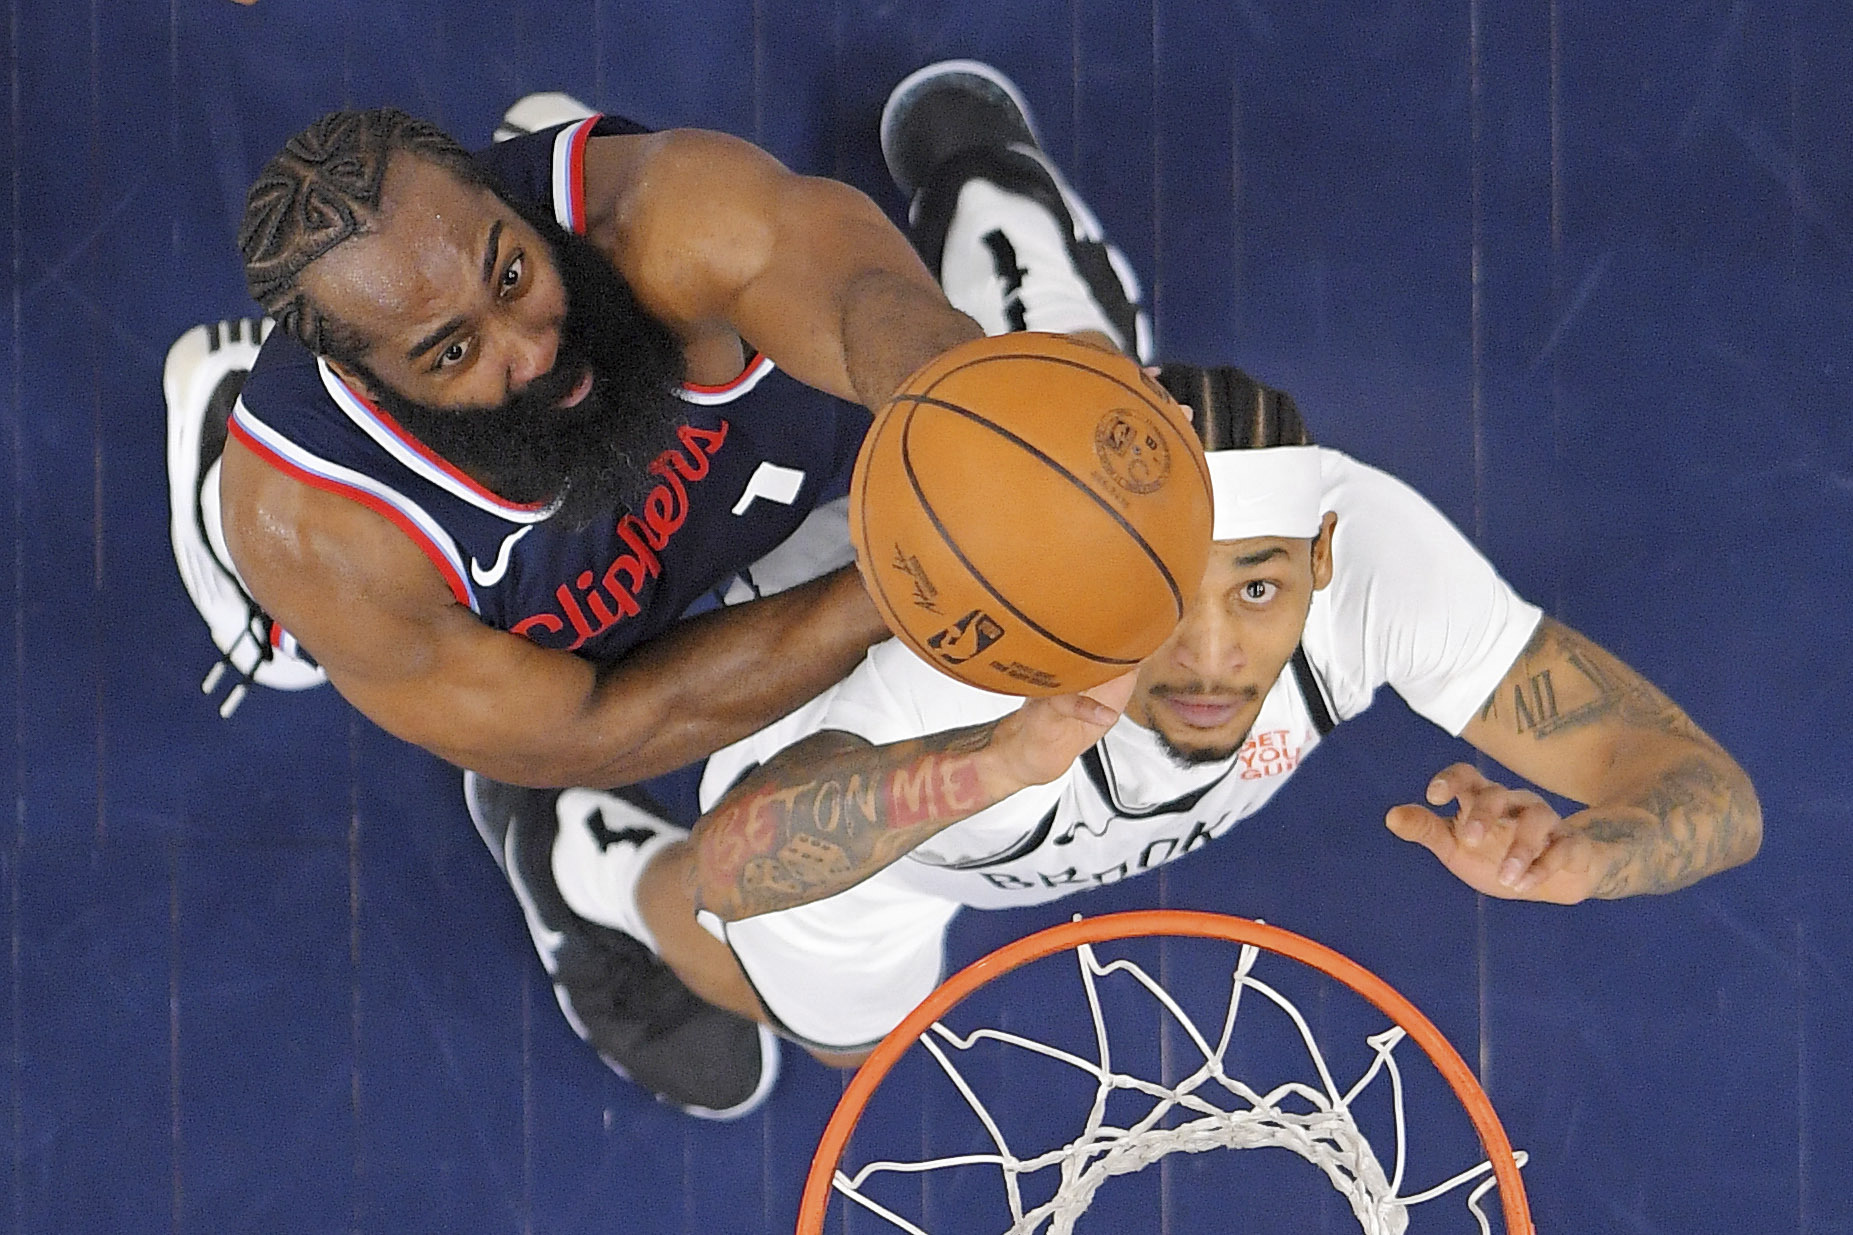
column 573, row 858
column 700, row 955
column 1011, row 241
column 1015, row 246
column 202, row 378
column 833, row 976
column 664, row 998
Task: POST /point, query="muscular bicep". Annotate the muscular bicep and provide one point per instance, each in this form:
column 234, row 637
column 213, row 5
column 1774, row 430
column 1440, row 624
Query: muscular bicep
column 808, row 269
column 1575, row 719
column 379, row 617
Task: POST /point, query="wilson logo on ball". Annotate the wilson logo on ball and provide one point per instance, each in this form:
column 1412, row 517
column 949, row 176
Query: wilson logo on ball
column 1131, row 450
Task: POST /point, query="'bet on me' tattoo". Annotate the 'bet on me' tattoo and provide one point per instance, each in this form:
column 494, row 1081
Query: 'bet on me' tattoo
column 831, row 811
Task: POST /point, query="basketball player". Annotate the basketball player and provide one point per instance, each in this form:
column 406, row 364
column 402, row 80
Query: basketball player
column 507, row 430
column 840, row 842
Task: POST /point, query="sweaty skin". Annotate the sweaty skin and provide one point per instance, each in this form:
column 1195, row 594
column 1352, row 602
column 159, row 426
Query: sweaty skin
column 720, row 243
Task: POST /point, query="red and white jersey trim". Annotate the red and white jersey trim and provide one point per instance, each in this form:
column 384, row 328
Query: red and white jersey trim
column 411, row 518
column 569, row 175
column 708, row 396
column 415, row 455
column 569, row 147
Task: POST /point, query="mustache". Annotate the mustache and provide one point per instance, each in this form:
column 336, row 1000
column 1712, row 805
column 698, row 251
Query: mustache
column 543, row 394
column 1243, row 694
column 590, row 459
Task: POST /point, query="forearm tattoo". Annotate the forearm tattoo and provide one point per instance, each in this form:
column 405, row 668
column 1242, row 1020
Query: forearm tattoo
column 1699, row 816
column 829, row 812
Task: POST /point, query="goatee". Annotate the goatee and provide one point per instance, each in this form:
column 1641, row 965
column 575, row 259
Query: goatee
column 1194, row 756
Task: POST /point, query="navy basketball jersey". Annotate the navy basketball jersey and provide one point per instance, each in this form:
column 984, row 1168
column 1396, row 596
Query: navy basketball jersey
column 752, row 459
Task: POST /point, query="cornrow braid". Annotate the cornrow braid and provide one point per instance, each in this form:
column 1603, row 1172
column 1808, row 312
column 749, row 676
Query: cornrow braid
column 1233, row 410
column 321, row 189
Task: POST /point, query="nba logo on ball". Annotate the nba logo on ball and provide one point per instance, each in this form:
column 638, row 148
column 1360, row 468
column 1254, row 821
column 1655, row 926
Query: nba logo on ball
column 1131, row 450
column 965, row 638
column 1052, row 493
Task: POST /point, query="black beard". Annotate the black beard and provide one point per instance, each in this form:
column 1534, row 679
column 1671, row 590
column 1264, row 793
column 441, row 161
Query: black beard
column 1196, row 756
column 590, row 458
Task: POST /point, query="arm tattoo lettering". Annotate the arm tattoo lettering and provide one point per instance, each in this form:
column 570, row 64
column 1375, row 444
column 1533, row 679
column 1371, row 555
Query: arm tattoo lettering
column 1564, row 682
column 829, row 812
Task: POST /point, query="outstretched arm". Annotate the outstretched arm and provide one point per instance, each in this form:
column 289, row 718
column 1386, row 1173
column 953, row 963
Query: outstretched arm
column 828, row 812
column 1666, row 806
column 715, row 233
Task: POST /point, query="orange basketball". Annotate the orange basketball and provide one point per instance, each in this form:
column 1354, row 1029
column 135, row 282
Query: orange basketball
column 1031, row 514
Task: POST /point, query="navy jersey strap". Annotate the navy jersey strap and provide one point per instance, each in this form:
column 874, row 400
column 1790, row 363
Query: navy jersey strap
column 524, row 166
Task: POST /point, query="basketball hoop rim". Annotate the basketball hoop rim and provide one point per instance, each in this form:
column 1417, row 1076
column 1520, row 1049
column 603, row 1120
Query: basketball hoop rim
column 1197, row 924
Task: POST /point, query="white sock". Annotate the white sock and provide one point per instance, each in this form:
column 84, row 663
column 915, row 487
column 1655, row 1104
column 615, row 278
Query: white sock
column 604, row 845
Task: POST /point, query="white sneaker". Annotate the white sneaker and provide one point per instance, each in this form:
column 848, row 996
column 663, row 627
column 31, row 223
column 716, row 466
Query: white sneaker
column 1011, row 242
column 601, row 851
column 202, row 378
column 533, row 112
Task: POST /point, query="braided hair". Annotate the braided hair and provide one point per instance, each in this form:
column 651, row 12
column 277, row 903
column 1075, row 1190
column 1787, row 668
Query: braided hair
column 1233, row 410
column 321, row 189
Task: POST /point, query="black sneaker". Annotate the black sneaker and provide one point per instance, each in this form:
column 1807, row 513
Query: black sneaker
column 202, row 379
column 946, row 109
column 1038, row 247
column 615, row 992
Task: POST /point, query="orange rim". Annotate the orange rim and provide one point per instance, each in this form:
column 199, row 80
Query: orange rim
column 1070, row 935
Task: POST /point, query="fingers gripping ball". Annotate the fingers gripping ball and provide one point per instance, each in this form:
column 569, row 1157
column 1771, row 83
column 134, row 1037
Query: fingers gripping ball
column 1031, row 514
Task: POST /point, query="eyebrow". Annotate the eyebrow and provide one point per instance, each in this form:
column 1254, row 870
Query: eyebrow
column 435, row 337
column 490, row 252
column 1259, row 556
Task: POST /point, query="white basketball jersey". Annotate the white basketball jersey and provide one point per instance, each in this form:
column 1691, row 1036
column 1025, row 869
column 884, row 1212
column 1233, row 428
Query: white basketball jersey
column 1411, row 604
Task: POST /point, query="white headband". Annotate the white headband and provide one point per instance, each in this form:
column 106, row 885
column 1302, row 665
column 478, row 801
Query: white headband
column 1275, row 491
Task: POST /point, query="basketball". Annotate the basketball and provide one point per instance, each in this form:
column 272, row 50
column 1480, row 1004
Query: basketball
column 1031, row 514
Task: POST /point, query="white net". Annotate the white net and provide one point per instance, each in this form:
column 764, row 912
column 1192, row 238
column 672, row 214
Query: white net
column 1207, row 1109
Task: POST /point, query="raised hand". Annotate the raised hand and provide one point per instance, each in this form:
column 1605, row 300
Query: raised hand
column 1502, row 842
column 1040, row 740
